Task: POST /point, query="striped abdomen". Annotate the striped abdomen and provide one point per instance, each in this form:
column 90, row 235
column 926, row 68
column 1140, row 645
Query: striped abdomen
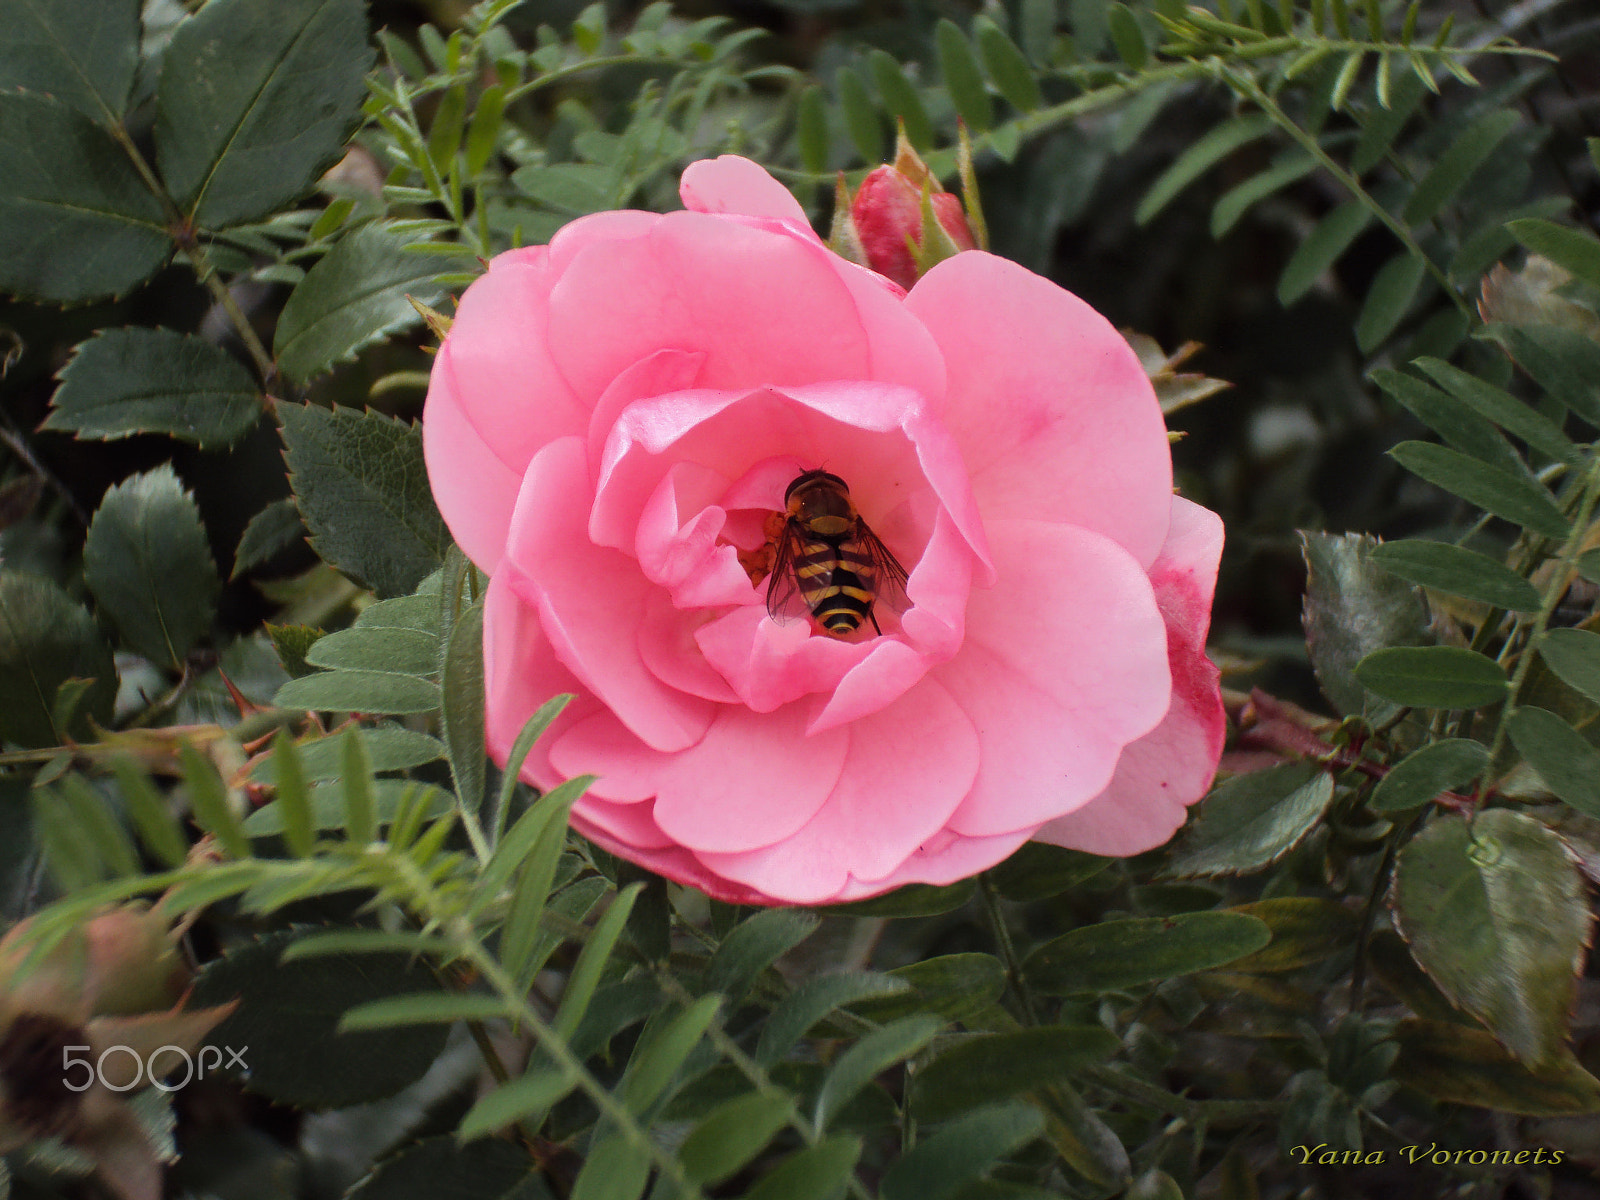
column 837, row 578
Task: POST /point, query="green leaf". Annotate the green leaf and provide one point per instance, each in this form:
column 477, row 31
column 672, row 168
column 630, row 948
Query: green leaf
column 1574, row 655
column 255, row 101
column 1433, row 676
column 400, row 651
column 1007, row 65
column 861, row 119
column 424, row 1008
column 592, row 959
column 1520, row 499
column 440, row 1168
column 1322, row 248
column 962, row 79
column 359, row 691
column 1497, row 405
column 461, row 712
column 812, row 1001
column 293, row 800
column 1305, row 930
column 1233, row 203
column 1459, row 571
column 1568, row 764
column 289, row 1015
column 1439, row 767
column 616, row 1169
column 362, row 488
column 45, row 640
column 1453, row 168
column 1126, row 36
column 816, row 1173
column 149, row 812
column 1353, row 607
column 211, row 803
column 271, row 531
column 521, row 943
column 1393, row 289
column 1457, row 425
column 330, row 807
column 1575, row 250
column 149, row 565
column 1565, row 362
column 868, row 1058
column 384, row 748
column 662, row 1050
column 754, row 945
column 997, row 1066
column 83, row 52
column 901, row 98
column 127, row 381
column 733, row 1134
column 1200, row 158
column 958, row 987
column 68, row 184
column 1036, row 27
column 354, row 295
column 1495, row 912
column 1381, row 125
column 1134, row 951
column 811, row 130
column 1459, row 1065
column 511, row 1101
column 1038, row 871
column 942, row 1164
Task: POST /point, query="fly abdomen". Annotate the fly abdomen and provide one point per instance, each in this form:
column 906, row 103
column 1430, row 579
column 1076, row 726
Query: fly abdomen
column 836, row 582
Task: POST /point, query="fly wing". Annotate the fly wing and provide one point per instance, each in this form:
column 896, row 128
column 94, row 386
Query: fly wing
column 890, row 584
column 784, row 601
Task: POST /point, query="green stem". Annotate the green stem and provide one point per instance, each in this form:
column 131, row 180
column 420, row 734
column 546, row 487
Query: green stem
column 1008, row 951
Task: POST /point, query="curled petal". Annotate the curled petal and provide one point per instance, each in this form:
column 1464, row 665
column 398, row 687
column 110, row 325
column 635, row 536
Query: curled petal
column 735, row 185
column 1172, row 765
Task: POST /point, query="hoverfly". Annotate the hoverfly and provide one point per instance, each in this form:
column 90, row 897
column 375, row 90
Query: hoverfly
column 828, row 556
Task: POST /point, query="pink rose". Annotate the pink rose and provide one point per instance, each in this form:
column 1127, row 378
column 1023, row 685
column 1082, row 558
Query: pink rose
column 614, row 420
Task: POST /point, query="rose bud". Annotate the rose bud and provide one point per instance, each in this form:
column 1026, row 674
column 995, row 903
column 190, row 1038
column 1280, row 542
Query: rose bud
column 905, row 221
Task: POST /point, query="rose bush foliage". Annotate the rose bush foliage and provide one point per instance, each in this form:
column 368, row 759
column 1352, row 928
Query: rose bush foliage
column 614, row 417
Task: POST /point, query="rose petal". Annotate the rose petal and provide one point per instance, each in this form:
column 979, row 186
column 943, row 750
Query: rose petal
column 672, row 862
column 907, row 768
column 505, row 379
column 1064, row 664
column 520, row 673
column 1050, row 407
column 730, row 184
column 668, row 648
column 696, row 281
column 944, row 859
column 1172, row 765
column 475, row 490
column 754, row 779
column 587, row 596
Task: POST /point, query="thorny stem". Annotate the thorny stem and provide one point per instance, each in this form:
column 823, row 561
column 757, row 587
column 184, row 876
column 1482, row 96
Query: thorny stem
column 1008, row 951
